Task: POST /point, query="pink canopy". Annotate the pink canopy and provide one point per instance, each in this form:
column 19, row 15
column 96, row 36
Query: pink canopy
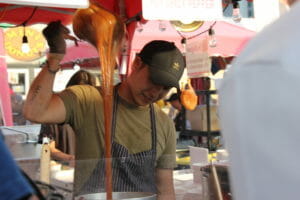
column 85, row 55
column 230, row 38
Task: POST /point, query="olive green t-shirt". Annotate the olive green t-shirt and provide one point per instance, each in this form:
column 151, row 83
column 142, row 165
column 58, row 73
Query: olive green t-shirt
column 84, row 112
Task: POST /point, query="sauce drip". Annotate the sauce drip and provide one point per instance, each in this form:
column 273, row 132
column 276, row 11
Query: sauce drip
column 105, row 31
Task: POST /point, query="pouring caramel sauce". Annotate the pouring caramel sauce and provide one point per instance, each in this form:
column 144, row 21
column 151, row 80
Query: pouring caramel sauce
column 105, row 31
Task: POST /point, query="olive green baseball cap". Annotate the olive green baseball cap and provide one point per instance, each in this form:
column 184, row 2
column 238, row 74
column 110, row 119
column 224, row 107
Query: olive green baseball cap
column 166, row 62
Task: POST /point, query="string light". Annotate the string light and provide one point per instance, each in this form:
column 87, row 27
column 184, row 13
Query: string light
column 139, row 25
column 212, row 38
column 25, row 46
column 162, row 25
column 183, row 42
column 76, row 67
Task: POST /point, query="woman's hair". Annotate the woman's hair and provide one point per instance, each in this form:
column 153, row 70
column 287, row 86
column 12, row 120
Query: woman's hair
column 82, row 77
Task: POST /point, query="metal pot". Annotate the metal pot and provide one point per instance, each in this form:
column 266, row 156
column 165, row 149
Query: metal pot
column 119, row 195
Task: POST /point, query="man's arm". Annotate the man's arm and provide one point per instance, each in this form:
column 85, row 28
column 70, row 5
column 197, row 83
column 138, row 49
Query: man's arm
column 41, row 104
column 165, row 185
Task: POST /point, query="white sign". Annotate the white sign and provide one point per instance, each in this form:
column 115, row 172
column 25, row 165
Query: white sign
column 197, row 58
column 51, row 3
column 186, row 11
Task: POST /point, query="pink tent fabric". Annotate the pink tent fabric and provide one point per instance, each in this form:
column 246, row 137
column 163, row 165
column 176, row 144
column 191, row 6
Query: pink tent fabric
column 81, row 55
column 230, row 38
column 4, row 91
column 83, row 50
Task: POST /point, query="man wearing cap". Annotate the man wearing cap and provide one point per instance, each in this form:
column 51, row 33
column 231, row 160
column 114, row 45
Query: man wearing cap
column 143, row 137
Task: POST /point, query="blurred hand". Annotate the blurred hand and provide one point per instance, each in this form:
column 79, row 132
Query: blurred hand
column 72, row 161
column 55, row 34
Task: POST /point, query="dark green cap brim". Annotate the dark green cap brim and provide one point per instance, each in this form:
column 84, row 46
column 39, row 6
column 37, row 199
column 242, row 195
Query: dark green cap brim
column 163, row 78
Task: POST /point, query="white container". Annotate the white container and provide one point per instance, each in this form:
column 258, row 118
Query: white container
column 197, row 173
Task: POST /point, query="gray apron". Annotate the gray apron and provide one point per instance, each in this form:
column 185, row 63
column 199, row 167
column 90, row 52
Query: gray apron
column 130, row 172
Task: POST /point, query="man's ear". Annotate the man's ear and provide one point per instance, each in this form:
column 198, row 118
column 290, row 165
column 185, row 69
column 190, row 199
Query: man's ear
column 137, row 63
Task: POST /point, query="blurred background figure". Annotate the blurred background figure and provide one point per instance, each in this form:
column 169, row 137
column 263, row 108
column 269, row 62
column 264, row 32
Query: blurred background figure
column 17, row 103
column 177, row 114
column 62, row 144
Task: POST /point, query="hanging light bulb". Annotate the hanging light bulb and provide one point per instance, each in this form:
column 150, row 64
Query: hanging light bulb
column 139, row 25
column 76, row 67
column 183, row 42
column 162, row 25
column 212, row 39
column 236, row 14
column 25, row 46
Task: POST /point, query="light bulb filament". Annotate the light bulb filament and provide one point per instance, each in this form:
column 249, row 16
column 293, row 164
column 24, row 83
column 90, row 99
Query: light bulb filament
column 25, row 46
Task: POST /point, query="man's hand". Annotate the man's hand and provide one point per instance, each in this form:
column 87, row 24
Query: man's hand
column 55, row 34
column 165, row 184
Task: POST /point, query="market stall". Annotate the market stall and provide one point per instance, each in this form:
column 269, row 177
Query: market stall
column 231, row 38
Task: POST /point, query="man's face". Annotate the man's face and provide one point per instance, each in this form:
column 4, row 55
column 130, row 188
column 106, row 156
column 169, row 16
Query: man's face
column 143, row 90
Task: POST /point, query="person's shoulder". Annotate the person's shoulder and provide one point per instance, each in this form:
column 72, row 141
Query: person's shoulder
column 82, row 88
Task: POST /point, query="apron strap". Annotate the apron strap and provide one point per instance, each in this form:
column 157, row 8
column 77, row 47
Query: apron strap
column 153, row 127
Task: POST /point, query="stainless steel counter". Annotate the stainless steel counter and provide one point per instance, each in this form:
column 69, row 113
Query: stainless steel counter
column 22, row 142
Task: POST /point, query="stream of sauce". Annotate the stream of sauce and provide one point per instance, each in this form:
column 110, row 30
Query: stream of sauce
column 108, row 34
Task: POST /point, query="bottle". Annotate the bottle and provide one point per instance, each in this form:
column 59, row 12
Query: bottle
column 45, row 162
